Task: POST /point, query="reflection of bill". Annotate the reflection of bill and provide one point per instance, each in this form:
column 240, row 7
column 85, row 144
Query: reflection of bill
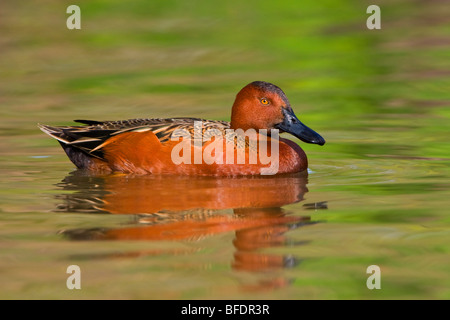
column 174, row 208
column 227, row 147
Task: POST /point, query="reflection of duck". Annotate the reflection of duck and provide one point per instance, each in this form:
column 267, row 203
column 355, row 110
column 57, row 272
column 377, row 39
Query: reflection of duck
column 135, row 194
column 145, row 145
column 181, row 208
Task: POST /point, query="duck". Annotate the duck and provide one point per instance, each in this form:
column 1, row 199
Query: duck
column 247, row 145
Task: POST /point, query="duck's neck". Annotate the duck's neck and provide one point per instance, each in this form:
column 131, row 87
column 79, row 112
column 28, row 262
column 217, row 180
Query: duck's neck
column 242, row 117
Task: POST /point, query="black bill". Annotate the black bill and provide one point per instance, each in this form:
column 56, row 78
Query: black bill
column 292, row 125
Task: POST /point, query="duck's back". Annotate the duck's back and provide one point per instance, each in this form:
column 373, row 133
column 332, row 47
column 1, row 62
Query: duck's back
column 84, row 144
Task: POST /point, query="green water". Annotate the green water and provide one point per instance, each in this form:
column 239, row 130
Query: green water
column 377, row 192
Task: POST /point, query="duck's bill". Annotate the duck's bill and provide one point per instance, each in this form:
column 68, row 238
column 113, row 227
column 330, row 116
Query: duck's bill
column 292, row 125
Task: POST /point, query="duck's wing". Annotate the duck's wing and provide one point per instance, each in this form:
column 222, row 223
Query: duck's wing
column 90, row 137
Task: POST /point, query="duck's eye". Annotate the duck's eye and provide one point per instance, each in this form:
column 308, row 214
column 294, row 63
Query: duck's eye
column 264, row 101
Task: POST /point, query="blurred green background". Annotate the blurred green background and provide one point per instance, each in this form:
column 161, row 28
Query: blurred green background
column 379, row 97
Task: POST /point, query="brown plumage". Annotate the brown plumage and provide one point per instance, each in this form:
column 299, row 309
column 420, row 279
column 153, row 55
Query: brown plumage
column 146, row 145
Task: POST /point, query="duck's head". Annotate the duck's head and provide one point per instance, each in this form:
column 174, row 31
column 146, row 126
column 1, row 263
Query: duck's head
column 263, row 105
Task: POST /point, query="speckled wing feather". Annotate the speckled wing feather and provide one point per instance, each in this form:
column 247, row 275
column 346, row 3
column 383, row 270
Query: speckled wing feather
column 90, row 137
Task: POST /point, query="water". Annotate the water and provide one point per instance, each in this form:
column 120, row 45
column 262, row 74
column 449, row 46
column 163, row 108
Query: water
column 376, row 194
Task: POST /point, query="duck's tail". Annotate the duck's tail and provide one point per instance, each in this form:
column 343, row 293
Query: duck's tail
column 78, row 149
